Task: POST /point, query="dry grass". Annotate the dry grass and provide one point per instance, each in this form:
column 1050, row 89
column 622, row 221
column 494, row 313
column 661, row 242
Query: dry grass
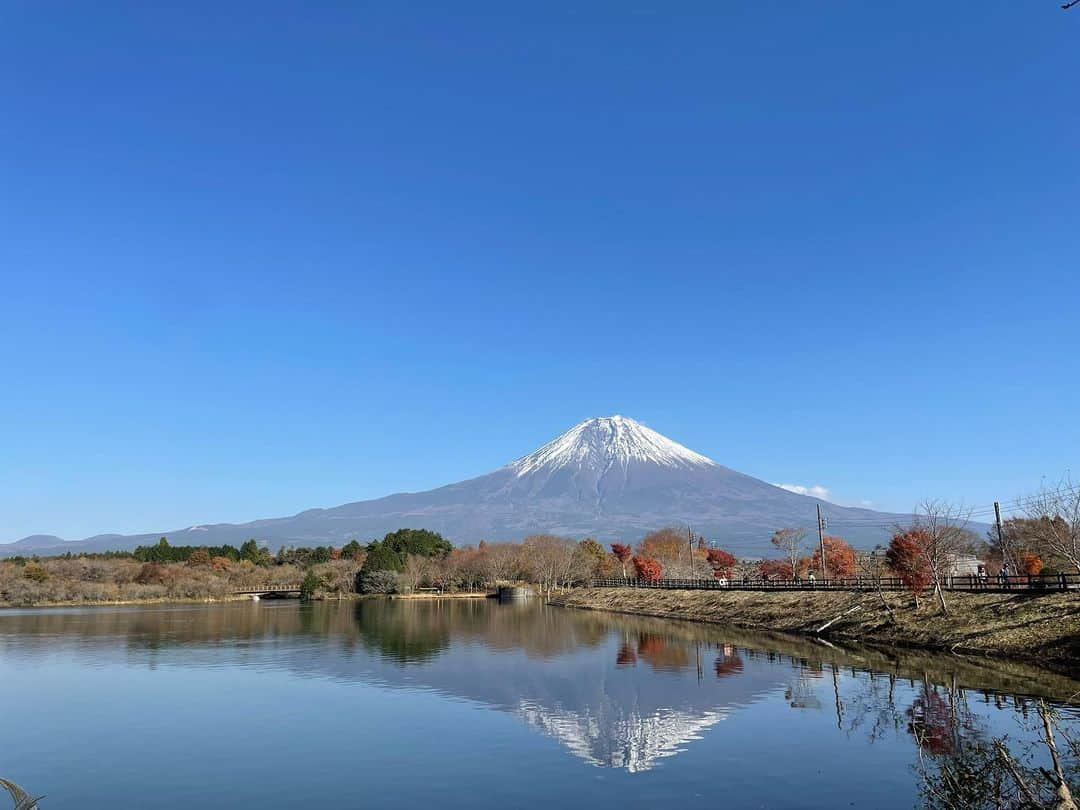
column 1044, row 628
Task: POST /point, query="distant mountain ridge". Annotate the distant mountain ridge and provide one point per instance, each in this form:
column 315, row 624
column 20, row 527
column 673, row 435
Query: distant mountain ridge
column 609, row 477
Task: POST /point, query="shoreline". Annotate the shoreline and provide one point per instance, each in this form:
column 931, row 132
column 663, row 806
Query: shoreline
column 463, row 595
column 1041, row 630
column 128, row 602
column 217, row 600
column 231, row 598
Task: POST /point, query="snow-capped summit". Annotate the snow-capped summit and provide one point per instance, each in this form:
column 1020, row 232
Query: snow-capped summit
column 609, row 441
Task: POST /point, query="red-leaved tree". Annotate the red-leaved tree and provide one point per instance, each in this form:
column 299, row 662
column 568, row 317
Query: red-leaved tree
column 839, row 558
column 646, row 568
column 622, row 554
column 1031, row 564
column 775, row 570
column 906, row 557
column 721, row 562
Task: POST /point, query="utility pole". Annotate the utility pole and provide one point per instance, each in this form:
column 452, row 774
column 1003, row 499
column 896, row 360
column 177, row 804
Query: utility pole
column 690, row 545
column 1001, row 540
column 821, row 540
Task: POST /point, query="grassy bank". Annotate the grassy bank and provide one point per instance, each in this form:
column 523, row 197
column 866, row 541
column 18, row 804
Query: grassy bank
column 1036, row 628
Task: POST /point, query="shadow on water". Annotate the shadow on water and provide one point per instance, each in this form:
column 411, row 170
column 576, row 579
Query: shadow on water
column 618, row 691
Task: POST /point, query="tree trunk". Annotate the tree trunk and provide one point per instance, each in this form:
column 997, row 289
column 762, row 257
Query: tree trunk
column 941, row 597
column 1064, row 799
column 885, row 603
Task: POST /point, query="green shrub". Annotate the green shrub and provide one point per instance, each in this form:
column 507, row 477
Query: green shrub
column 311, row 583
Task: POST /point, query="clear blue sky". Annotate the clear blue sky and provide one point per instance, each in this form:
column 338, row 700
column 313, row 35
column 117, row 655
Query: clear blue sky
column 259, row 257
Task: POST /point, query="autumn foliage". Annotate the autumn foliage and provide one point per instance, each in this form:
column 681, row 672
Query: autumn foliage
column 666, row 545
column 776, row 570
column 931, row 723
column 839, row 558
column 622, row 553
column 1031, row 564
column 721, row 562
column 906, row 556
column 647, row 568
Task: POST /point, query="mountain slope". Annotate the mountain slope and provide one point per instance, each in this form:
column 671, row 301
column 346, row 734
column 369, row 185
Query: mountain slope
column 610, row 477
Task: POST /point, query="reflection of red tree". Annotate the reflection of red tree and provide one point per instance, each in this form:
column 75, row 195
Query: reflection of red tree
column 649, row 644
column 728, row 664
column 931, row 722
column 626, row 657
column 660, row 654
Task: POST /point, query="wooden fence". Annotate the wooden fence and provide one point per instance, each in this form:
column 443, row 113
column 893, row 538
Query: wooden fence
column 1049, row 583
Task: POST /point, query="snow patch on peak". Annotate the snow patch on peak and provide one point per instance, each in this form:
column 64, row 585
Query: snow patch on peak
column 603, row 442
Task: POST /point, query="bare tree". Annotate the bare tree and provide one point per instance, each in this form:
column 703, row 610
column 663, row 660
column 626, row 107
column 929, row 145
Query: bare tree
column 549, row 559
column 417, row 570
column 501, row 562
column 1054, row 525
column 790, row 541
column 873, row 567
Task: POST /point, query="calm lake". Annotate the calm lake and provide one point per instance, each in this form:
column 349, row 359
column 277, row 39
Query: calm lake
column 472, row 703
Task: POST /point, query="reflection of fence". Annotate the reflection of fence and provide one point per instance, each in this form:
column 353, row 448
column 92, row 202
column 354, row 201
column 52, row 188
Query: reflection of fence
column 1049, row 583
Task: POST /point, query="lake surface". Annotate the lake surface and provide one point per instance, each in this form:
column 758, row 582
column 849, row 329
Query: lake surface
column 472, row 703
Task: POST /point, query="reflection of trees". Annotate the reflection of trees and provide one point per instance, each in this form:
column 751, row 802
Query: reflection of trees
column 932, row 722
column 662, row 655
column 962, row 768
column 801, row 694
column 625, row 657
column 960, row 764
column 727, row 663
column 397, row 635
column 874, row 706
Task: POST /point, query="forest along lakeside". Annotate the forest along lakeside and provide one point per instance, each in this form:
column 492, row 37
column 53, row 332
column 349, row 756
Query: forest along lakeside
column 771, row 594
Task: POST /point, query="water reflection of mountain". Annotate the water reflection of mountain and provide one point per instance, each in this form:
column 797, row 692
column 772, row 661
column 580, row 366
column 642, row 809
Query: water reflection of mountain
column 565, row 673
column 616, row 691
column 614, row 695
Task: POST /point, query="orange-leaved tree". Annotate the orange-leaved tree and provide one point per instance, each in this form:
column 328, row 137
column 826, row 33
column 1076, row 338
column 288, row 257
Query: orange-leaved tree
column 647, row 568
column 622, row 554
column 668, row 546
column 839, row 558
column 907, row 557
column 1031, row 564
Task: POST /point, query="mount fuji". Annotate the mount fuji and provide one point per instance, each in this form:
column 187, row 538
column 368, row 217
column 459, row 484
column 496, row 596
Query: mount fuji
column 611, row 477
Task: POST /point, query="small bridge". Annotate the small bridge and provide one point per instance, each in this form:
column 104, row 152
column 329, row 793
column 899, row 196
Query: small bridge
column 278, row 590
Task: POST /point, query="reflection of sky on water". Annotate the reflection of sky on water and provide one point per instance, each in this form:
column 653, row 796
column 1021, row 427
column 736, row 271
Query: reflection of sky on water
column 623, row 694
